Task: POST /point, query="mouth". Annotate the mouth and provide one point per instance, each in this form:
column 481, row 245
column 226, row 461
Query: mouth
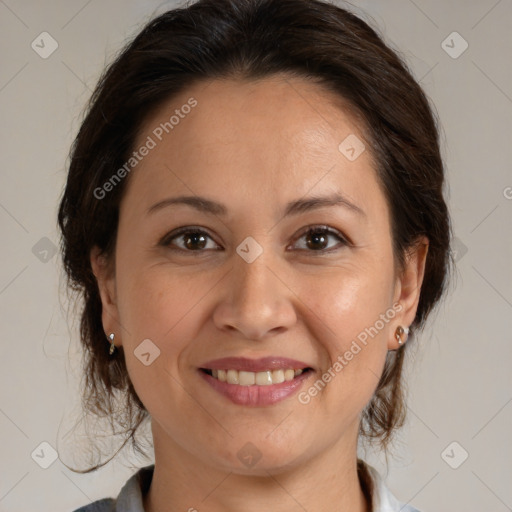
column 255, row 382
column 262, row 378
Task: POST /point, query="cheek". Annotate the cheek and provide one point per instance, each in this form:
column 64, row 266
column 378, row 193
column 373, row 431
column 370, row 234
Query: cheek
column 355, row 309
column 352, row 301
column 154, row 300
column 155, row 304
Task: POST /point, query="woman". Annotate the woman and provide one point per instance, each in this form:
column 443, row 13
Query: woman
column 254, row 217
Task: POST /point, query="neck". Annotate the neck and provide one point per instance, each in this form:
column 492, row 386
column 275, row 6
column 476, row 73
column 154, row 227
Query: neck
column 181, row 482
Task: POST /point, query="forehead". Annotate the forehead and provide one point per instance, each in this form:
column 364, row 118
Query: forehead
column 279, row 137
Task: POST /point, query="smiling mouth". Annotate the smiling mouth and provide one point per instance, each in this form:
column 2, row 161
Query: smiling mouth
column 265, row 378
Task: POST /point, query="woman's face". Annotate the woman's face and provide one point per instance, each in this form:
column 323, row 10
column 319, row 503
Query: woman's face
column 245, row 293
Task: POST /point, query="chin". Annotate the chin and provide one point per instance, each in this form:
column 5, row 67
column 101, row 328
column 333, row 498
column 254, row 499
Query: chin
column 252, row 461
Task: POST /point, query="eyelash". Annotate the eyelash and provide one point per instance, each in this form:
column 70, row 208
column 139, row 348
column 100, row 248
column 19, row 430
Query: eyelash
column 316, row 229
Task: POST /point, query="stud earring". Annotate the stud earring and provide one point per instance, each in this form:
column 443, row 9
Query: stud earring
column 398, row 333
column 112, row 346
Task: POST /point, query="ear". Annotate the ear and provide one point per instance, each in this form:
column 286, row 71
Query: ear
column 408, row 287
column 105, row 276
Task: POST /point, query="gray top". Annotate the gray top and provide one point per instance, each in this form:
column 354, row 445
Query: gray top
column 130, row 496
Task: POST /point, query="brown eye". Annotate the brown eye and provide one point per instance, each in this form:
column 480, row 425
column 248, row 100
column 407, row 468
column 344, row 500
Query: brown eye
column 317, row 239
column 194, row 240
column 191, row 240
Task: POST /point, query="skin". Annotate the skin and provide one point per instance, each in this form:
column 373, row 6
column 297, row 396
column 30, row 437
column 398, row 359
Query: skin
column 255, row 146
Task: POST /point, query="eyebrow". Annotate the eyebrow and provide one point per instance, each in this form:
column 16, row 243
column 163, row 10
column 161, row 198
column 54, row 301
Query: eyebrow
column 296, row 207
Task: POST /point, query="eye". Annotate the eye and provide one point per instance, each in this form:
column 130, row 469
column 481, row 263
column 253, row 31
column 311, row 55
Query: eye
column 195, row 239
column 317, row 238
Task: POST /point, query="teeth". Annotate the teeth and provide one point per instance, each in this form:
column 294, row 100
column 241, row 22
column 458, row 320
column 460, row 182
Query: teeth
column 263, row 378
column 289, row 374
column 244, row 378
column 277, row 376
column 232, row 377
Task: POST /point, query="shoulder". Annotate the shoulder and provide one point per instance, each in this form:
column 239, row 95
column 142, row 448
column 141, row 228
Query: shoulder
column 382, row 498
column 130, row 497
column 104, row 505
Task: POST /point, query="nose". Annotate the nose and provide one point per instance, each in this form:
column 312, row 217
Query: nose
column 256, row 301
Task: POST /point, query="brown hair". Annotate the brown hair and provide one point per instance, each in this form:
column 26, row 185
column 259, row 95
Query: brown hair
column 253, row 39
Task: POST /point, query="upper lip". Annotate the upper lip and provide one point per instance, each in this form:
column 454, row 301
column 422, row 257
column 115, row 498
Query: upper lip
column 254, row 365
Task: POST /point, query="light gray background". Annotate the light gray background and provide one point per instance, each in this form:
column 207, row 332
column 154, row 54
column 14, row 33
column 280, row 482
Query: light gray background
column 459, row 375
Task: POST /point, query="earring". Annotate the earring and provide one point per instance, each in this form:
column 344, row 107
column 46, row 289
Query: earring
column 112, row 346
column 398, row 333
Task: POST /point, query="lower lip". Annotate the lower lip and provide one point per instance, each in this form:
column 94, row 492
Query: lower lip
column 256, row 395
